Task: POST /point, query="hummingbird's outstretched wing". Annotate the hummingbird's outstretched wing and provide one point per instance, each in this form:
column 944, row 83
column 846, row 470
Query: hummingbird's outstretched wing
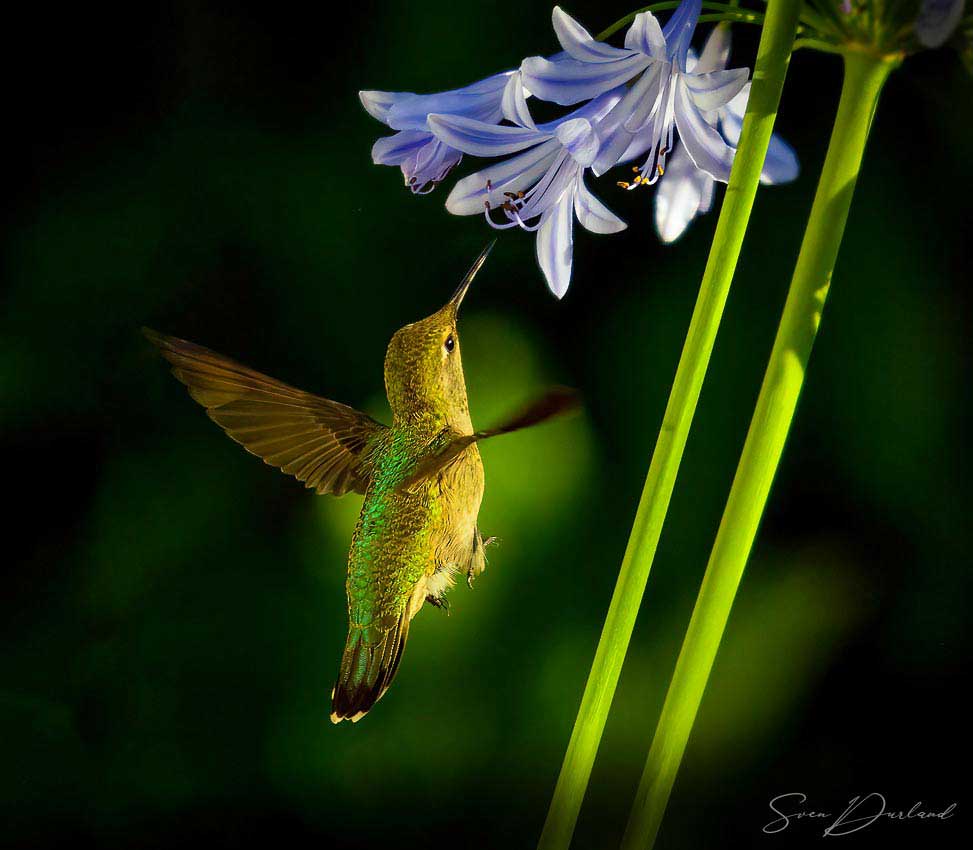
column 556, row 401
column 325, row 444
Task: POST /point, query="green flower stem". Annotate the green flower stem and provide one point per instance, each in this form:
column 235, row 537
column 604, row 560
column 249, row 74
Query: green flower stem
column 773, row 56
column 818, row 44
column 732, row 17
column 726, row 12
column 863, row 80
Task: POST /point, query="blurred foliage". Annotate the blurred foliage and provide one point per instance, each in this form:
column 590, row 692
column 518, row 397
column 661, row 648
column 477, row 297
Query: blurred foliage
column 174, row 610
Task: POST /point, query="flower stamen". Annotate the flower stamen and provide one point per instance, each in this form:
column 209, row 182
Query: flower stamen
column 512, row 208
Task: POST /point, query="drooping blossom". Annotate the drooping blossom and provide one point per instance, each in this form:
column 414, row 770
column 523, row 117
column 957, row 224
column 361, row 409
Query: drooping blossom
column 642, row 103
column 685, row 191
column 542, row 188
column 666, row 94
column 425, row 160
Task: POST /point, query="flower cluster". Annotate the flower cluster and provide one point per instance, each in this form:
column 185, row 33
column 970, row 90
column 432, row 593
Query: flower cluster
column 673, row 117
column 884, row 28
column 937, row 21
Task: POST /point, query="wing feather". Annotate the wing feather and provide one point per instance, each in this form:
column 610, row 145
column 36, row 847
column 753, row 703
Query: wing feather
column 325, row 444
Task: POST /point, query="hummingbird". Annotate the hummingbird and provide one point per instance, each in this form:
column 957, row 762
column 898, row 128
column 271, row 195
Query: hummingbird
column 422, row 477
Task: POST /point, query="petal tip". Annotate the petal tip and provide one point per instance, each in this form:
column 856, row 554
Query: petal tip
column 376, row 103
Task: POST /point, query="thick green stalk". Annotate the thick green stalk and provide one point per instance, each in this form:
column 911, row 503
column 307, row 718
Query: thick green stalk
column 864, row 77
column 773, row 56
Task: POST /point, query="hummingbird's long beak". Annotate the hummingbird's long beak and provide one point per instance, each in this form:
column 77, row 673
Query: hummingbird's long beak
column 460, row 292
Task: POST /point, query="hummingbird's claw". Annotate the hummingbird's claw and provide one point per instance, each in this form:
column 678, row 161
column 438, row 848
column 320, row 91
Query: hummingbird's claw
column 440, row 602
column 478, row 562
column 490, row 541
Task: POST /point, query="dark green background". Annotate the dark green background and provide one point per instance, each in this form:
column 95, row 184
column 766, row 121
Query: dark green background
column 173, row 610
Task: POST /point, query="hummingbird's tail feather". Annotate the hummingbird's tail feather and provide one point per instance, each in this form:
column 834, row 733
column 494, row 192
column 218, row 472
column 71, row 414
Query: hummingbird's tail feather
column 367, row 670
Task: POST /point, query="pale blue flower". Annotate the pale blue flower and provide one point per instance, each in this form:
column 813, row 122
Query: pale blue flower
column 541, row 189
column 937, row 21
column 666, row 96
column 586, row 68
column 685, row 191
column 425, row 161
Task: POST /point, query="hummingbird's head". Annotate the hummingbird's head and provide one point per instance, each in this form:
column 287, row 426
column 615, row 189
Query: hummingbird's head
column 423, row 367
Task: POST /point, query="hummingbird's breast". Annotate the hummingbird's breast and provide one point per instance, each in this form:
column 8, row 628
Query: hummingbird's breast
column 461, row 491
column 406, row 536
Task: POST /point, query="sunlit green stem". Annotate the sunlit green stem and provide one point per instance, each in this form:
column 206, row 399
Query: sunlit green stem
column 864, row 77
column 768, row 79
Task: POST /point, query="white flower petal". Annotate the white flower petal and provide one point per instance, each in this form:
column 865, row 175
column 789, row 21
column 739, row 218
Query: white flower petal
column 618, row 141
column 578, row 42
column 594, row 110
column 562, row 173
column 716, row 51
column 378, row 103
column 489, row 85
column 615, row 145
column 569, row 81
column 514, row 103
column 679, row 31
column 644, row 96
column 394, row 150
column 645, row 35
column 429, row 165
column 481, row 100
column 679, row 197
column 732, row 117
column 516, row 174
column 708, row 191
column 592, row 213
column 706, row 146
column 580, row 140
column 781, row 164
column 712, row 90
column 555, row 244
column 481, row 139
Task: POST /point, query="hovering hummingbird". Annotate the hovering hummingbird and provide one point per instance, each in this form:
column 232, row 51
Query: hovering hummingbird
column 422, row 478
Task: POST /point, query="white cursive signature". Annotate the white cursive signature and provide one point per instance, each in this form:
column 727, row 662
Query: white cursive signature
column 860, row 813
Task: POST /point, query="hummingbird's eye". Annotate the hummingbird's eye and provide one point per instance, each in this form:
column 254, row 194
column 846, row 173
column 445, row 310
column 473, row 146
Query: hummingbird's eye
column 450, row 343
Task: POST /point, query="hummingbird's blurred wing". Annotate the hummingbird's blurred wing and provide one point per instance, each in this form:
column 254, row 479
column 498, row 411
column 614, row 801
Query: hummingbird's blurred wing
column 320, row 442
column 555, row 402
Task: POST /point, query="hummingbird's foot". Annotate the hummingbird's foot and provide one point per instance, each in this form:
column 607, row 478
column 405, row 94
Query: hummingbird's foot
column 490, row 541
column 440, row 602
column 477, row 566
column 478, row 562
